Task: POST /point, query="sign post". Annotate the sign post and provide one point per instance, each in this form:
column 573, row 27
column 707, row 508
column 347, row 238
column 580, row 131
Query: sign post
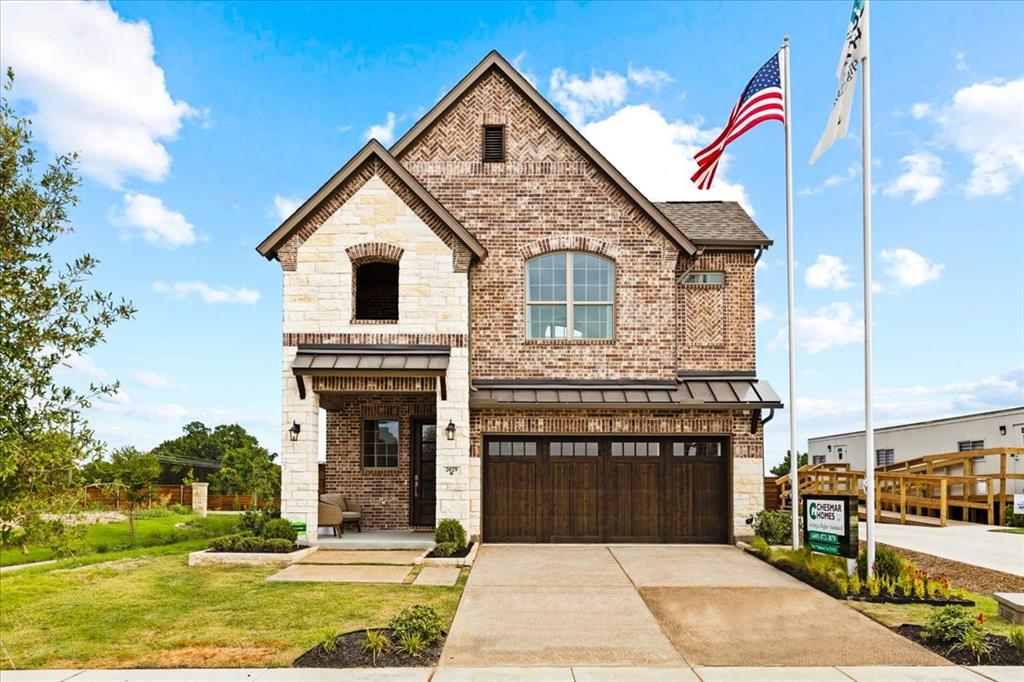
column 830, row 525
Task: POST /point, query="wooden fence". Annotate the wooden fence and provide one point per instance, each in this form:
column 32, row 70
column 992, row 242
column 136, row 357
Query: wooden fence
column 772, row 500
column 164, row 495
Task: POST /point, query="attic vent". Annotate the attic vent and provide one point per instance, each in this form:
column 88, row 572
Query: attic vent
column 494, row 144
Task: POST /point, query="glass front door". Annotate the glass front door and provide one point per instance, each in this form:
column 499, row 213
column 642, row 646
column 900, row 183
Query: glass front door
column 424, row 472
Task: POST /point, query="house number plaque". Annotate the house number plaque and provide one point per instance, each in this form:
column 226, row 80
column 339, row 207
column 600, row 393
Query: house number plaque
column 451, row 470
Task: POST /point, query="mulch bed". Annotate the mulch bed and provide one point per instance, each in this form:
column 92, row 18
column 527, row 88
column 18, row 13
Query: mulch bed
column 973, row 578
column 461, row 554
column 1003, row 653
column 348, row 653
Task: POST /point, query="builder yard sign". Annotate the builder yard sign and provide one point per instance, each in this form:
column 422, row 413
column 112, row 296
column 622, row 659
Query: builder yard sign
column 830, row 524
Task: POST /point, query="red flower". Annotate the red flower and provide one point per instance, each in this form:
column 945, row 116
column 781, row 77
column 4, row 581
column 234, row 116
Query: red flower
column 981, row 618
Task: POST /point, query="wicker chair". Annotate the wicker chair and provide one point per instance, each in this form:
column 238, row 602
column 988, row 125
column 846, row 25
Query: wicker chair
column 350, row 512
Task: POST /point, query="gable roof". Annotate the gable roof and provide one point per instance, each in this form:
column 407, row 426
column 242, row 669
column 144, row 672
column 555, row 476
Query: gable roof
column 494, row 60
column 268, row 247
column 715, row 223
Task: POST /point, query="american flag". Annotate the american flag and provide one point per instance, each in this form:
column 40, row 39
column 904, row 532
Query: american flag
column 760, row 101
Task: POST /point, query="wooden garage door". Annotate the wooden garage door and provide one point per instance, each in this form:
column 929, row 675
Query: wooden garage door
column 606, row 489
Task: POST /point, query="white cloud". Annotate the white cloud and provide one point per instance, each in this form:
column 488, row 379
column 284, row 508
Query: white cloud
column 922, row 178
column 763, row 313
column 648, row 77
column 382, row 132
column 155, row 381
column 517, row 63
column 920, row 110
column 208, row 294
column 582, row 99
column 157, row 223
column 909, row 268
column 829, row 327
column 828, row 272
column 852, row 171
column 82, row 365
column 346, row 128
column 95, row 86
column 961, row 60
column 285, row 206
column 657, row 155
column 984, row 121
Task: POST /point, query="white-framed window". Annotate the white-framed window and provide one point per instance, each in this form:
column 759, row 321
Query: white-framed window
column 704, row 278
column 884, row 456
column 966, row 445
column 571, row 295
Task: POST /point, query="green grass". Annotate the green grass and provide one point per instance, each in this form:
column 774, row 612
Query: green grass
column 893, row 615
column 112, row 538
column 1015, row 531
column 150, row 609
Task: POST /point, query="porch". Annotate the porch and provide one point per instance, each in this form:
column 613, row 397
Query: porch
column 376, row 540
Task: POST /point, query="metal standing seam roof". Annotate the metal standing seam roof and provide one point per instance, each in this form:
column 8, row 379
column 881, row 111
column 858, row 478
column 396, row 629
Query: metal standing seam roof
column 331, row 358
column 696, row 392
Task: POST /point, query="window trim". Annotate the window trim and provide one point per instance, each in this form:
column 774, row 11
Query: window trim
column 569, row 301
column 362, row 449
column 971, row 442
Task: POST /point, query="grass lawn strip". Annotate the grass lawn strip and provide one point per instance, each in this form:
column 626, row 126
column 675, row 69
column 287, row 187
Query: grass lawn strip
column 113, row 538
column 1015, row 531
column 894, row 615
column 146, row 609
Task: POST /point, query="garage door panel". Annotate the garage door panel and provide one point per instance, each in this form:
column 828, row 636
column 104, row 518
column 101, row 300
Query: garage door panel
column 634, row 500
column 574, row 499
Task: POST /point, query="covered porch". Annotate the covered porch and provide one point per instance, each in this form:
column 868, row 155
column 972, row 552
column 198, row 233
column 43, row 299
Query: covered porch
column 386, row 408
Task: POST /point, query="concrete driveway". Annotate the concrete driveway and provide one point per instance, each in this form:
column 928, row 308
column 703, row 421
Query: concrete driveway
column 655, row 605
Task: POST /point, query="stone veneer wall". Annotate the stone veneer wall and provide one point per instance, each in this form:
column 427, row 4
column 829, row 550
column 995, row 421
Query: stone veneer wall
column 433, row 305
column 747, row 448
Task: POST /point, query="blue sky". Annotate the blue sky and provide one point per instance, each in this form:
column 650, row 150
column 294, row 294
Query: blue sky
column 199, row 123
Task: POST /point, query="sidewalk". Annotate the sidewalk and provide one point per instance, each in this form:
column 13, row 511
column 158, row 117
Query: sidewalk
column 575, row 674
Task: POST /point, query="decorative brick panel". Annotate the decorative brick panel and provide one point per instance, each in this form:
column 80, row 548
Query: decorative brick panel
column 374, row 252
column 453, row 340
column 383, row 493
column 716, row 322
column 704, row 319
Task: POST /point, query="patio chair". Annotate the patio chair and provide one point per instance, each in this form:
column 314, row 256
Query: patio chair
column 351, row 512
column 329, row 515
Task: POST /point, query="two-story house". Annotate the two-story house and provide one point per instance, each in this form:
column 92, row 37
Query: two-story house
column 503, row 330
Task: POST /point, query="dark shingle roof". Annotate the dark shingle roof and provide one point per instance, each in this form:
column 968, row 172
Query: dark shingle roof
column 714, row 223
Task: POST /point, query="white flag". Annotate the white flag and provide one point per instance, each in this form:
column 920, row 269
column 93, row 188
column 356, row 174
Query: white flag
column 855, row 47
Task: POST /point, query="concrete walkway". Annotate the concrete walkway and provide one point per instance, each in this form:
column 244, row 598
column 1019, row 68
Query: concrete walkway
column 969, row 543
column 655, row 606
column 554, row 674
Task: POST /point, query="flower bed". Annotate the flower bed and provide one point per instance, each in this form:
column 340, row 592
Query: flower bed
column 414, row 637
column 896, row 581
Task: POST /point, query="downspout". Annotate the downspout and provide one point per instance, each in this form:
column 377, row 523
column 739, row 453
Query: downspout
column 758, row 254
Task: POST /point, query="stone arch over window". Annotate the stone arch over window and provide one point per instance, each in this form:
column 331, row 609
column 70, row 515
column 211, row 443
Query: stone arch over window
column 570, row 242
column 570, row 295
column 374, row 282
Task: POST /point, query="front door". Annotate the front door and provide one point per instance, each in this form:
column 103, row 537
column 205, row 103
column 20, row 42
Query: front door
column 424, row 472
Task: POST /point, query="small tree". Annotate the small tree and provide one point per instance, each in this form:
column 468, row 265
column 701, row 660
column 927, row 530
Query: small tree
column 47, row 316
column 782, row 468
column 133, row 475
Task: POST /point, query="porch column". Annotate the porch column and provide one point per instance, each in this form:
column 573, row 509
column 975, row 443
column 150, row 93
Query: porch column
column 299, row 469
column 454, row 497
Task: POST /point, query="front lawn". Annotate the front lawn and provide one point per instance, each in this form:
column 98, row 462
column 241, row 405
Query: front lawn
column 103, row 538
column 155, row 611
column 894, row 615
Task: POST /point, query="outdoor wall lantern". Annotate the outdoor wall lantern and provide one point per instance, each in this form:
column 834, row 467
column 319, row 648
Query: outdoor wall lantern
column 450, row 430
column 293, row 433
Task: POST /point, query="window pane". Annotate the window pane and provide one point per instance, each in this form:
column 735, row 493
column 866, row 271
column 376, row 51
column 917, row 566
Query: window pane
column 591, row 278
column 592, row 321
column 704, row 278
column 546, row 321
column 556, row 450
column 546, row 278
column 380, row 443
column 531, row 449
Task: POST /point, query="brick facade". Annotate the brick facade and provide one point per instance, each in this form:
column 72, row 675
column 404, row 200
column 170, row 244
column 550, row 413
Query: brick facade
column 715, row 323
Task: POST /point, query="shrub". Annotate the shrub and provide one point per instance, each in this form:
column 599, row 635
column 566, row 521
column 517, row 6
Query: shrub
column 180, row 509
column 450, row 530
column 950, row 625
column 375, row 643
column 278, row 546
column 887, row 564
column 329, row 640
column 279, row 528
column 1016, row 637
column 1011, row 519
column 776, row 527
column 253, row 521
column 241, row 542
column 445, row 548
column 411, row 645
column 417, row 620
column 855, row 585
column 974, row 642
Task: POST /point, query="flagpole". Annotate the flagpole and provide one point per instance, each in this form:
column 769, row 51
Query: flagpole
column 794, row 458
column 869, row 419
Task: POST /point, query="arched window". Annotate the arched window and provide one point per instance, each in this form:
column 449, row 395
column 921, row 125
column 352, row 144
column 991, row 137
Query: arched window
column 376, row 291
column 571, row 295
